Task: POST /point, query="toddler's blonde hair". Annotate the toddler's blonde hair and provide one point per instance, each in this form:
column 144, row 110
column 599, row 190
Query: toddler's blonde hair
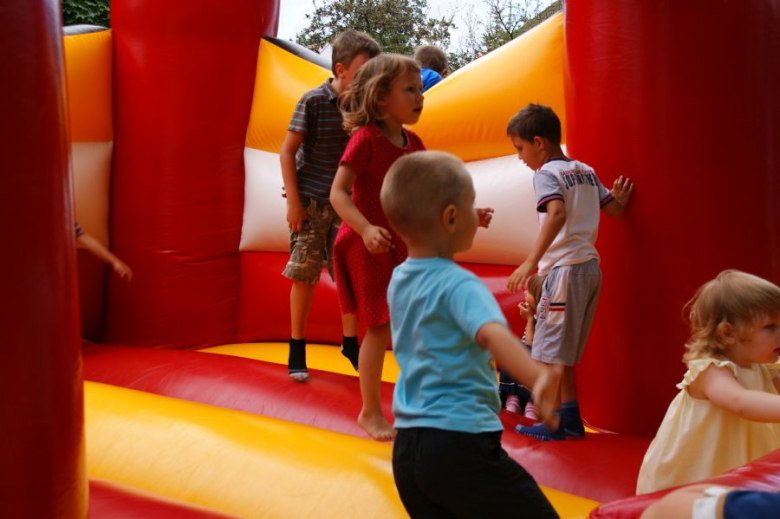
column 360, row 101
column 733, row 297
column 535, row 284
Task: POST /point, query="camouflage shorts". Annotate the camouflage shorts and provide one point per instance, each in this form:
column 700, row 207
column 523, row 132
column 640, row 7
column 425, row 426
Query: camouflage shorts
column 311, row 249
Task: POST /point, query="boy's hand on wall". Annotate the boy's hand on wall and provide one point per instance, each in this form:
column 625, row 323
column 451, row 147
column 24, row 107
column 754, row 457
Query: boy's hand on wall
column 622, row 189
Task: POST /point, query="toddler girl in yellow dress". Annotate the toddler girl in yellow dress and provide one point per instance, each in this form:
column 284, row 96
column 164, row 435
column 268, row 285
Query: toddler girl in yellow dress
column 727, row 412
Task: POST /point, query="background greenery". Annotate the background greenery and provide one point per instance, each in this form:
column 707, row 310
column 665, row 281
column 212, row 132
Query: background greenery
column 90, row 12
column 399, row 25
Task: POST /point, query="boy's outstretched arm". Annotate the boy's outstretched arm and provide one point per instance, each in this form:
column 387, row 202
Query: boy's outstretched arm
column 621, row 193
column 556, row 217
column 513, row 357
column 485, row 216
column 87, row 242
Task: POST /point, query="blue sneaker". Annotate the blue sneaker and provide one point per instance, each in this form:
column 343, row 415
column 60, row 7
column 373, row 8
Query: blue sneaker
column 541, row 432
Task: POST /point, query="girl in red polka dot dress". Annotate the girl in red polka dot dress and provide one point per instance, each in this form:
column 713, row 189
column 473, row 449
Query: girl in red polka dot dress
column 385, row 95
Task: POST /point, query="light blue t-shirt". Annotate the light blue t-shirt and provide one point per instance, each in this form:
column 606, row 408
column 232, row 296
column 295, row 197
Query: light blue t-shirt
column 447, row 380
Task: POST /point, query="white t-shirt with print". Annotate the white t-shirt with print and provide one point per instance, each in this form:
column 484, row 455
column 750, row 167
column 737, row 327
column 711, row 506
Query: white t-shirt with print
column 583, row 196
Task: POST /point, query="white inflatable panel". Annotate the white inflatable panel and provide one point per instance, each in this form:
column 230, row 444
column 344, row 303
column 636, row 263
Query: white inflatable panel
column 91, row 182
column 265, row 211
column 506, row 185
column 503, row 183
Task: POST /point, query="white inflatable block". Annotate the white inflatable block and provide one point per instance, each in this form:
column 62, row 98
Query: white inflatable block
column 503, row 183
column 265, row 211
column 506, row 185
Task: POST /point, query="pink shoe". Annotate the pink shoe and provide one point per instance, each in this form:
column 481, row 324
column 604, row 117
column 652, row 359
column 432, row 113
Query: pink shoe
column 530, row 411
column 513, row 404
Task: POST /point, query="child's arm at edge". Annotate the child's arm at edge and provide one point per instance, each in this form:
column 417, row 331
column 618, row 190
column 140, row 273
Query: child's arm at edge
column 87, row 242
column 621, row 194
column 679, row 503
column 556, row 217
column 377, row 239
column 512, row 356
column 295, row 211
column 721, row 387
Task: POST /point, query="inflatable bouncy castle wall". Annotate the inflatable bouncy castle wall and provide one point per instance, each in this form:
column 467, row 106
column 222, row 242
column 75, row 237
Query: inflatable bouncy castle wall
column 174, row 120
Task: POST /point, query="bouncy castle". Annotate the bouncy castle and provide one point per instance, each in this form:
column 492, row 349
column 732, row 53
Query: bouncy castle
column 161, row 136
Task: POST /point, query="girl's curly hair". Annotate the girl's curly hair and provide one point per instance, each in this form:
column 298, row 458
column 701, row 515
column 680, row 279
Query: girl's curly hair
column 359, row 103
column 733, row 297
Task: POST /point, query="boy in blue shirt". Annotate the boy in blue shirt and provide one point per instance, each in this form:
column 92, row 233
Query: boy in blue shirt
column 433, row 64
column 447, row 330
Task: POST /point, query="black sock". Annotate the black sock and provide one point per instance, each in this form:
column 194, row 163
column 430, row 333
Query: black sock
column 296, row 362
column 350, row 349
column 571, row 421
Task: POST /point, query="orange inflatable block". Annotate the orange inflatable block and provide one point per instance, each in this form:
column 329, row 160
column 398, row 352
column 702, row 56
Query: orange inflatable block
column 466, row 114
column 88, row 75
column 282, row 78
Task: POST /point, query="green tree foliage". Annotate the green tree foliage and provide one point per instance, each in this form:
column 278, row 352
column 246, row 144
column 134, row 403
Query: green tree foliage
column 398, row 25
column 90, row 12
column 506, row 21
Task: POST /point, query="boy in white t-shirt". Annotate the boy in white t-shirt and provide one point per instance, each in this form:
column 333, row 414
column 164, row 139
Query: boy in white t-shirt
column 568, row 198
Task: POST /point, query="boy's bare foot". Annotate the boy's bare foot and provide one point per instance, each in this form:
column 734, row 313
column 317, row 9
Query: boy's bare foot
column 377, row 427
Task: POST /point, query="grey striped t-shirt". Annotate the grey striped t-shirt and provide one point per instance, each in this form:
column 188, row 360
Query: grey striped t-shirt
column 317, row 116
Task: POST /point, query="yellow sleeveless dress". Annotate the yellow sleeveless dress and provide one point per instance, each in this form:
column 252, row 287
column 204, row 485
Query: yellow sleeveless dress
column 698, row 439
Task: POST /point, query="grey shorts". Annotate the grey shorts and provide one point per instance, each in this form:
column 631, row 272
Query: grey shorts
column 565, row 313
column 311, row 249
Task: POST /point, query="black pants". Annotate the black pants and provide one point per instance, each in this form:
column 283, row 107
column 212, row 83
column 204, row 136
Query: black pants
column 453, row 474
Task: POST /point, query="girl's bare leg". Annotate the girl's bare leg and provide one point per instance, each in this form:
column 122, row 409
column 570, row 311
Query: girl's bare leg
column 372, row 358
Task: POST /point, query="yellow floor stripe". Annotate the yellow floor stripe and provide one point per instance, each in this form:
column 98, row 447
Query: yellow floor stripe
column 318, row 356
column 246, row 465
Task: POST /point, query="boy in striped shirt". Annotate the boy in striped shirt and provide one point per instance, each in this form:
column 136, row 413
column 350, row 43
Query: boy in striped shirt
column 309, row 158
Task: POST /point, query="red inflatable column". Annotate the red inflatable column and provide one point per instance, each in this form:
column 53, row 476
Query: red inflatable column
column 184, row 77
column 41, row 400
column 681, row 97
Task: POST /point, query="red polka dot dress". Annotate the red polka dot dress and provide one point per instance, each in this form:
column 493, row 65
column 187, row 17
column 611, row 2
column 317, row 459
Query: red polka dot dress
column 361, row 277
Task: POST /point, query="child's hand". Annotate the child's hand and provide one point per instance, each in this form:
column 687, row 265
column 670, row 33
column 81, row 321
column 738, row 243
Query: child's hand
column 622, row 189
column 526, row 312
column 485, row 215
column 519, row 277
column 295, row 215
column 377, row 239
column 122, row 270
column 545, row 393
